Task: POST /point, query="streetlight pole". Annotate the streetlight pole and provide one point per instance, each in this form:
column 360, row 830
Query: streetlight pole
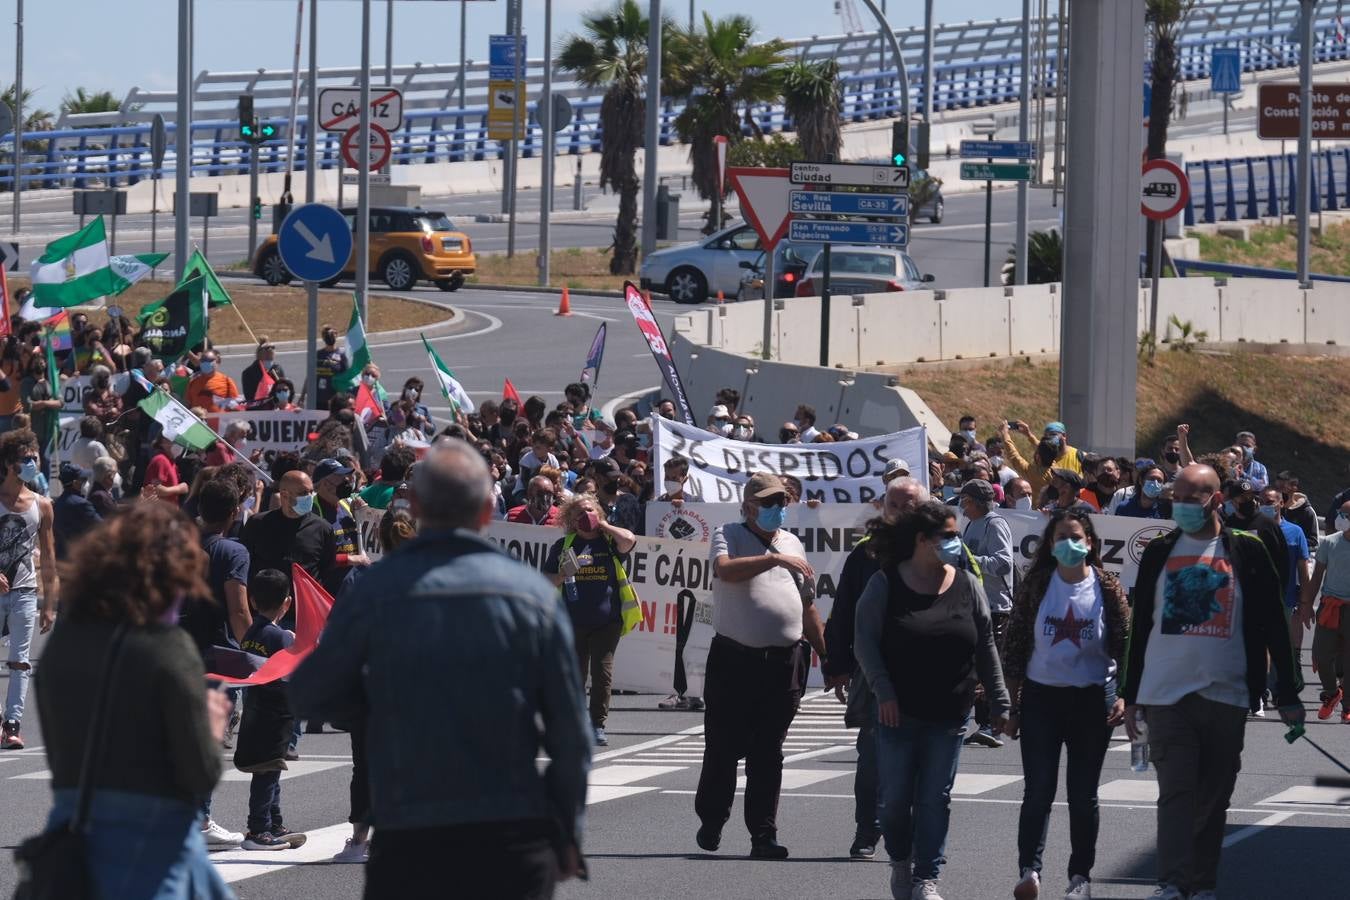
column 1023, row 134
column 388, row 43
column 899, row 57
column 545, row 107
column 653, row 130
column 18, row 112
column 363, row 176
column 463, row 50
column 182, row 142
column 311, row 196
column 1304, row 180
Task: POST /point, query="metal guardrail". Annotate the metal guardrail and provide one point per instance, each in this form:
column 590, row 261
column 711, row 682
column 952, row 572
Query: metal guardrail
column 1186, row 267
column 976, row 64
column 1256, row 187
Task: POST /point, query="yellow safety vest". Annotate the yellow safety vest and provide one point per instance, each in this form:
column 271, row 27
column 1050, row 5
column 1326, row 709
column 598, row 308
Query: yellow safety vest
column 630, row 611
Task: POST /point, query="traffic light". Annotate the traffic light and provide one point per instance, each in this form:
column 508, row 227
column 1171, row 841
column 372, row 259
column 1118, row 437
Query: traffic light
column 922, row 152
column 900, row 143
column 250, row 129
column 257, row 207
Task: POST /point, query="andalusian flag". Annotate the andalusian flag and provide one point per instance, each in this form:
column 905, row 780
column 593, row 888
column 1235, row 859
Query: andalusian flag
column 450, row 386
column 131, row 269
column 357, row 349
column 178, row 422
column 176, row 324
column 215, row 291
column 74, row 269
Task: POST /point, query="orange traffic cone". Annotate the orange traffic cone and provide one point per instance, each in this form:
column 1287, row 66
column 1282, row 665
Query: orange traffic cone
column 564, row 307
column 720, row 298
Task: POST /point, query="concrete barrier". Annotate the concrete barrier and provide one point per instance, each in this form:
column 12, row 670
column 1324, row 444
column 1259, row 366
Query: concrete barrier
column 1261, row 311
column 1033, row 320
column 1194, row 300
column 1328, row 314
column 890, row 332
column 974, row 323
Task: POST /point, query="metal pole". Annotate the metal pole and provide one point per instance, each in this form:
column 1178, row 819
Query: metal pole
column 510, row 158
column 899, row 58
column 154, row 219
column 825, row 310
column 691, row 15
column 1303, row 183
column 766, row 347
column 463, row 50
column 363, row 173
column 295, row 104
column 928, row 79
column 653, row 131
column 545, row 107
column 519, row 94
column 1061, row 101
column 182, row 141
column 1023, row 133
column 388, row 42
column 989, row 220
column 312, row 196
column 1158, row 229
column 18, row 113
column 252, row 196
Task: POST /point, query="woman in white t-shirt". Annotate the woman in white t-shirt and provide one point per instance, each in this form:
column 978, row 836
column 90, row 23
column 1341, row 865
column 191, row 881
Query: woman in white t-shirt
column 1065, row 639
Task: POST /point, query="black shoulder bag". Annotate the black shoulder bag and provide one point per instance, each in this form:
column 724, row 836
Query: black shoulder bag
column 54, row 865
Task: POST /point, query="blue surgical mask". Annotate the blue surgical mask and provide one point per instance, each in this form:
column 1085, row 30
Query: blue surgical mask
column 1190, row 517
column 1248, row 453
column 1270, row 512
column 207, row 367
column 267, row 364
column 771, row 518
column 304, row 504
column 284, row 396
column 949, row 551
column 1152, row 489
column 969, row 435
column 28, row 471
column 1070, row 552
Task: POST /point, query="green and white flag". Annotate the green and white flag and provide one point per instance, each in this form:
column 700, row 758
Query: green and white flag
column 450, row 386
column 215, row 291
column 357, row 349
column 74, row 269
column 130, row 269
column 176, row 324
column 178, row 422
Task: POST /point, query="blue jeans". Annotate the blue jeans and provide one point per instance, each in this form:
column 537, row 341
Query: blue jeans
column 916, row 765
column 865, row 783
column 18, row 609
column 264, row 802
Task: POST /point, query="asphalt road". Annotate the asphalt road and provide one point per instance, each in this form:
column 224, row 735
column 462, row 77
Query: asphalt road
column 1284, row 837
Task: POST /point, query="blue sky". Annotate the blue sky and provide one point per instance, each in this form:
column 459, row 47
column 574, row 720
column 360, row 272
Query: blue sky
column 115, row 46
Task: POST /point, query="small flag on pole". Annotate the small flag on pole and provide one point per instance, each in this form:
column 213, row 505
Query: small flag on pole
column 215, row 291
column 509, row 392
column 357, row 349
column 178, row 422
column 591, row 371
column 450, row 386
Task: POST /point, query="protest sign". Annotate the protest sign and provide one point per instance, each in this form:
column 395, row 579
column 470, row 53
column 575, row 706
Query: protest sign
column 1123, row 540
column 74, row 390
column 280, row 431
column 841, row 472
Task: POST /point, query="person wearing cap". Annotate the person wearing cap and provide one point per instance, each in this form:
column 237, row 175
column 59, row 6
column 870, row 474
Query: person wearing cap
column 338, row 507
column 73, row 514
column 840, row 667
column 764, row 614
column 895, row 468
column 264, row 361
column 989, row 544
column 1242, row 510
column 1053, row 452
column 621, row 508
column 1067, row 485
column 719, row 421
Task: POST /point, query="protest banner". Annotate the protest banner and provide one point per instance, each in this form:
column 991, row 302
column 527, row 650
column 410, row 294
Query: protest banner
column 280, row 431
column 1123, row 540
column 842, row 472
column 74, row 390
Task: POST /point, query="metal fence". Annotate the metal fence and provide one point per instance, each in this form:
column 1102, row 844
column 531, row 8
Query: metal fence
column 975, row 64
column 1255, row 187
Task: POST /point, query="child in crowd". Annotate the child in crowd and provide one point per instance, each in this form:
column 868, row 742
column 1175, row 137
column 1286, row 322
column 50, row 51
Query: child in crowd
column 266, row 728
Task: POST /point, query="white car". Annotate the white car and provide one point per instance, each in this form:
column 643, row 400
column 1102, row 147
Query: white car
column 691, row 273
column 863, row 270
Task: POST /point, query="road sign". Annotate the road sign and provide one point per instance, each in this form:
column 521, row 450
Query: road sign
column 997, row 171
column 9, row 256
column 340, row 108
column 1277, row 105
column 315, row 242
column 158, row 143
column 998, row 149
column 855, row 174
column 561, row 113
column 502, row 65
column 381, row 148
column 501, row 106
column 829, row 203
column 1225, row 70
column 1164, row 191
column 354, row 178
column 764, row 200
column 827, row 231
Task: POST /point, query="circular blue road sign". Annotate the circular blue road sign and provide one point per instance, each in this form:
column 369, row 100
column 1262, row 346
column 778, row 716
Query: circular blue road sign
column 315, row 242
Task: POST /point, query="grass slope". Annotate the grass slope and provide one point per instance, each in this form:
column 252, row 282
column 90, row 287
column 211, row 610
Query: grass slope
column 1276, row 246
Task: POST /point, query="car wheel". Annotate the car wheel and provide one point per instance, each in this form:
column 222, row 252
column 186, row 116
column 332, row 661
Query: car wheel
column 272, row 269
column 938, row 209
column 687, row 285
column 450, row 284
column 399, row 272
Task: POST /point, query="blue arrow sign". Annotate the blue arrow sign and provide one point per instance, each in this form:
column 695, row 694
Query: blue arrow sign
column 824, row 231
column 1225, row 70
column 315, row 242
column 998, row 149
column 827, row 203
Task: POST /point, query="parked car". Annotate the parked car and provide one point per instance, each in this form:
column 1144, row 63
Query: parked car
column 864, row 270
column 789, row 266
column 406, row 244
column 690, row 273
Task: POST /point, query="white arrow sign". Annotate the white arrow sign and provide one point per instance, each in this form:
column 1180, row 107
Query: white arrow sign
column 322, row 250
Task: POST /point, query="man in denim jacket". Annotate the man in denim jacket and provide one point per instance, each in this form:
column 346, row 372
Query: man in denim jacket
column 459, row 804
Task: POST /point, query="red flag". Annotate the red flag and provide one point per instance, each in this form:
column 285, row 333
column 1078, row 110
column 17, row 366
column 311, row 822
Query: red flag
column 4, row 302
column 366, row 404
column 509, row 393
column 312, row 604
column 264, row 386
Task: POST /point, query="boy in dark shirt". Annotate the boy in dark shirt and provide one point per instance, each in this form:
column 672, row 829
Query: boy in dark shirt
column 266, row 728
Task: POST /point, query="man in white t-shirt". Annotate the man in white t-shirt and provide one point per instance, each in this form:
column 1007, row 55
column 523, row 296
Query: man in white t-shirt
column 1208, row 608
column 764, row 615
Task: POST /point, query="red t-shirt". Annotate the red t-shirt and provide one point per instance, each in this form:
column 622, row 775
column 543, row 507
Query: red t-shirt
column 161, row 470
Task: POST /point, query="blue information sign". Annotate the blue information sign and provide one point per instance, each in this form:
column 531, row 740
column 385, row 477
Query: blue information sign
column 1225, row 70
column 998, row 149
column 825, row 231
column 315, row 242
column 828, row 203
column 502, row 57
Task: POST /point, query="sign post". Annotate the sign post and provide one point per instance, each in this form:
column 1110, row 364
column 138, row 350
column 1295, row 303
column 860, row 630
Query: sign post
column 1225, row 75
column 1163, row 194
column 158, row 144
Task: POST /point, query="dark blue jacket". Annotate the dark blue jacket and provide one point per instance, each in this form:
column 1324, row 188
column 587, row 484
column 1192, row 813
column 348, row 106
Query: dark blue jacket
column 72, row 516
column 452, row 650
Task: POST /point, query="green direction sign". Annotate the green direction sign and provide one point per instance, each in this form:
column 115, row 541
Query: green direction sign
column 971, row 171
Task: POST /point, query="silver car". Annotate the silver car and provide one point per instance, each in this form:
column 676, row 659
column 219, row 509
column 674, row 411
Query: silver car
column 864, row 270
column 691, row 273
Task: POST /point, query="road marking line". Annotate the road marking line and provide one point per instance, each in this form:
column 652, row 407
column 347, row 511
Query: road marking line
column 798, row 778
column 648, row 745
column 972, row 783
column 293, row 770
column 812, row 754
column 1307, row 795
column 1256, row 828
column 1129, row 789
column 237, row 865
column 618, row 775
column 606, row 792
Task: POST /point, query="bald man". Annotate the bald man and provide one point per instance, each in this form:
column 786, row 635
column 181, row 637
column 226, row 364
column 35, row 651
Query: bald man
column 1208, row 608
column 839, row 667
column 540, row 506
column 293, row 533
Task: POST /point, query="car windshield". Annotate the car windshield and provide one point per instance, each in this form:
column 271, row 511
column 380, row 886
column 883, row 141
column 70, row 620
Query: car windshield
column 434, row 221
column 854, row 263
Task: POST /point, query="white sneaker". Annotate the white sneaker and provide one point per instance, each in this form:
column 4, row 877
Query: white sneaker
column 925, row 890
column 1259, row 712
column 902, row 883
column 1168, row 892
column 217, row 837
column 1079, row 889
column 352, row 852
column 1029, row 888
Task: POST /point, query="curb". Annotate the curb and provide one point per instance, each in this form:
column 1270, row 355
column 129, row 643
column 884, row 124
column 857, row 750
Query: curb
column 536, row 289
column 455, row 322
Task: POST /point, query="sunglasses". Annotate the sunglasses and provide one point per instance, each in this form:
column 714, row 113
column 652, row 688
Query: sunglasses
column 776, row 500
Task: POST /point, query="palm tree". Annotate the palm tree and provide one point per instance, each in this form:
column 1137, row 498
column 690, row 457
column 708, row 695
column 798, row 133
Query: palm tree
column 721, row 75
column 84, row 101
column 611, row 53
column 1165, row 20
column 34, row 118
column 813, row 97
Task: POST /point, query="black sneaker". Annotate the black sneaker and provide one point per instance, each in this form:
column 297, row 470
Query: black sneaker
column 708, row 838
column 293, row 838
column 767, row 848
column 265, row 841
column 864, row 847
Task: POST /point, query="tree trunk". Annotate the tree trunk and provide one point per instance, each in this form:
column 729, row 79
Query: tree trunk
column 1160, row 116
column 624, row 261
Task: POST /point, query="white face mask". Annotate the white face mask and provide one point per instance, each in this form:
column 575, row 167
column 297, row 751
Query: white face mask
column 117, row 481
column 1022, row 502
column 1342, row 523
column 368, row 378
column 673, row 486
column 175, row 450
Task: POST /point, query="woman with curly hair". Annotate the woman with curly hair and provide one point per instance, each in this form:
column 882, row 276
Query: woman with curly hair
column 1066, row 636
column 124, row 585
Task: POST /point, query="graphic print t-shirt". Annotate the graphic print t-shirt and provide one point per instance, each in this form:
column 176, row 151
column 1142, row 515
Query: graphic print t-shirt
column 1070, row 646
column 1196, row 643
column 590, row 596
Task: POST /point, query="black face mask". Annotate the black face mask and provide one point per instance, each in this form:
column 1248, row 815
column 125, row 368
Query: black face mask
column 1047, row 452
column 343, row 490
column 1172, row 456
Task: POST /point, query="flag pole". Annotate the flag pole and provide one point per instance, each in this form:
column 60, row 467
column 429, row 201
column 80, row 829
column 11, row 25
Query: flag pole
column 233, row 449
column 243, row 322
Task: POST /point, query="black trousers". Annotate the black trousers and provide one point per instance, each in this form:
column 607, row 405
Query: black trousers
column 752, row 696
column 483, row 861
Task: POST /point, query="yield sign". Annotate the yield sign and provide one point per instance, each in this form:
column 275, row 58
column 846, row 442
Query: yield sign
column 765, row 200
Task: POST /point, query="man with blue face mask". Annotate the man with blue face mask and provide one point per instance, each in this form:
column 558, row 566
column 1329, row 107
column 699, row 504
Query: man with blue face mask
column 212, row 389
column 764, row 616
column 1208, row 608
